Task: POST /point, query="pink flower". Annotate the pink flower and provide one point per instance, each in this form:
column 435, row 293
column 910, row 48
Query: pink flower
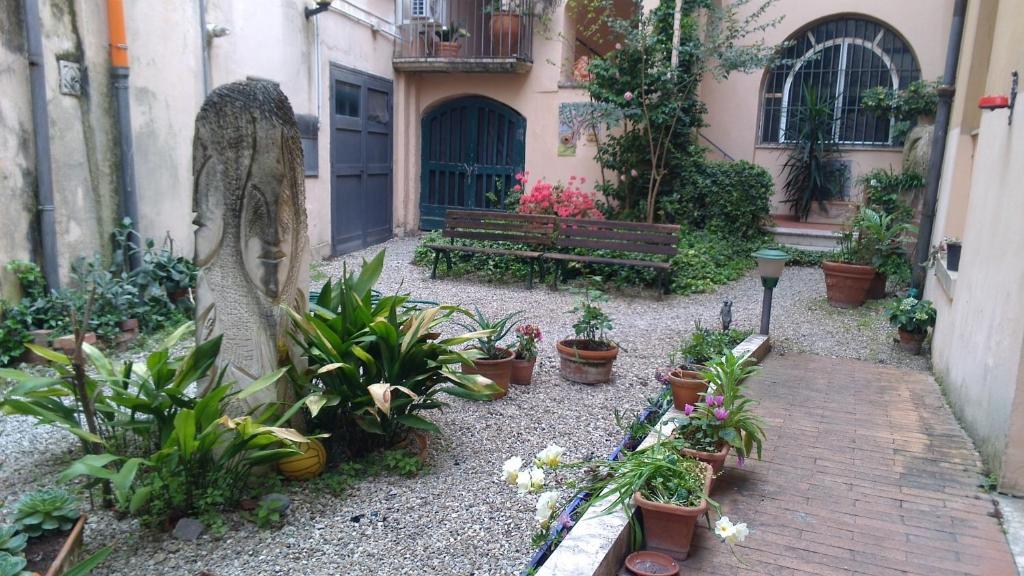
column 634, row 173
column 628, row 96
column 721, row 414
column 618, row 46
column 688, row 409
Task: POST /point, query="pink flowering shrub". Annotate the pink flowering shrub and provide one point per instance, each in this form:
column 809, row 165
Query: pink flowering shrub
column 565, row 200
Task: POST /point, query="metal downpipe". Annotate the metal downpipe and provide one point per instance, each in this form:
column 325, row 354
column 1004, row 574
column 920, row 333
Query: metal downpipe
column 41, row 130
column 119, row 74
column 942, row 112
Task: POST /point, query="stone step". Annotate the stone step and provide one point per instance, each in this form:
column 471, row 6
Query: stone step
column 806, row 238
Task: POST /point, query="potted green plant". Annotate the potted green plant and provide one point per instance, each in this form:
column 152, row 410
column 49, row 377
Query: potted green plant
column 506, row 25
column 812, row 173
column 868, row 243
column 588, row 357
column 527, row 338
column 913, row 318
column 700, row 347
column 448, row 37
column 48, row 530
column 494, row 361
column 724, row 419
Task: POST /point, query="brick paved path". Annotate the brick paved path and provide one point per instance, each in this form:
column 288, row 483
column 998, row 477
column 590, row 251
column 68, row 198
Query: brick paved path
column 866, row 472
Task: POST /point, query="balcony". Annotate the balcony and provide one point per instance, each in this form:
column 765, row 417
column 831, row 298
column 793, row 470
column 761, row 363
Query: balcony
column 465, row 36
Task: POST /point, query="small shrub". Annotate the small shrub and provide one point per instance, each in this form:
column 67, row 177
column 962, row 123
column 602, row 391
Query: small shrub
column 565, row 200
column 705, row 344
column 727, row 198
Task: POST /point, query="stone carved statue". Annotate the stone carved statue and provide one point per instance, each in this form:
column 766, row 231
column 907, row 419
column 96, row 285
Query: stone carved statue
column 251, row 240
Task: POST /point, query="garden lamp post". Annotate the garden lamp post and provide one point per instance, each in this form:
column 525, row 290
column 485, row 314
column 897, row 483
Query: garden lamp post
column 770, row 264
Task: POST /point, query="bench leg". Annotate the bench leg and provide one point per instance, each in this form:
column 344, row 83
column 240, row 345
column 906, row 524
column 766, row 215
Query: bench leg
column 663, row 284
column 556, row 269
column 529, row 276
column 448, row 263
column 433, row 271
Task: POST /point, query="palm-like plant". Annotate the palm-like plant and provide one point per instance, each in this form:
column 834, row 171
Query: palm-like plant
column 812, row 174
column 494, row 331
column 374, row 365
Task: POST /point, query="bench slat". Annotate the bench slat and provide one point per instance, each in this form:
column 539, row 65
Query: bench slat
column 477, row 250
column 640, row 237
column 535, row 240
column 619, row 246
column 528, row 227
column 478, row 215
column 622, row 225
column 602, row 260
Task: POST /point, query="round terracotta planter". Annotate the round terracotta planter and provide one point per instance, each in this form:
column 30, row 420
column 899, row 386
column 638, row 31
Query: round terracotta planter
column 585, row 366
column 668, row 528
column 498, row 371
column 648, row 563
column 505, row 28
column 522, row 371
column 847, row 284
column 911, row 342
column 687, row 386
column 448, row 49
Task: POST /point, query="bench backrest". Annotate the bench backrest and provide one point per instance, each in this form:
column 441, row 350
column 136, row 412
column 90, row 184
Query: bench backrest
column 496, row 226
column 617, row 235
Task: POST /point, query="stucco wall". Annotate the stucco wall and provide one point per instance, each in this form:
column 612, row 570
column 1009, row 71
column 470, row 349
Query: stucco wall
column 979, row 337
column 734, row 105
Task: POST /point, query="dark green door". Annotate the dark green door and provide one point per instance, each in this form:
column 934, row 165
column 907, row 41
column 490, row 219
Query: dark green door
column 472, row 148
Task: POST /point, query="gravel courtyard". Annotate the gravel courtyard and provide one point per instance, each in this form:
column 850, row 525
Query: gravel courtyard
column 457, row 518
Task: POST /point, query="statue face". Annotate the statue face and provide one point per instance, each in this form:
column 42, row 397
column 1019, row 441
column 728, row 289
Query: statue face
column 268, row 219
column 208, row 207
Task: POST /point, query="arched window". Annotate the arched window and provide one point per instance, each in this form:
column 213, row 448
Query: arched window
column 839, row 58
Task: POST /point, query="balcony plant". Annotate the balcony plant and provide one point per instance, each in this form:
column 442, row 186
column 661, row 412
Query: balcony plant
column 494, row 361
column 723, row 420
column 588, row 357
column 506, row 25
column 912, row 318
column 528, row 337
column 448, row 37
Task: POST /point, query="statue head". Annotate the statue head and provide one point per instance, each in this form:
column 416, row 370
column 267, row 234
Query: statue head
column 249, row 184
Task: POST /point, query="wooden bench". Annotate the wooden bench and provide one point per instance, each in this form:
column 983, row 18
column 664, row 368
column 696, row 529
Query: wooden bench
column 535, row 232
column 626, row 237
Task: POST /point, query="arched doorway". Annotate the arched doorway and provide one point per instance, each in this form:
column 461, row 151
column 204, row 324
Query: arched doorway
column 472, row 148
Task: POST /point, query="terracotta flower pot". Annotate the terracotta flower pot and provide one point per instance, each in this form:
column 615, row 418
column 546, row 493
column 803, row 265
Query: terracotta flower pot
column 505, row 27
column 687, row 386
column 499, row 371
column 877, row 289
column 448, row 49
column 847, row 284
column 580, row 363
column 648, row 563
column 911, row 342
column 714, row 459
column 522, row 371
column 669, row 529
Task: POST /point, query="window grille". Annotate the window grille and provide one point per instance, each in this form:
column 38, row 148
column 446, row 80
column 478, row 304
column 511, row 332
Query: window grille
column 840, row 59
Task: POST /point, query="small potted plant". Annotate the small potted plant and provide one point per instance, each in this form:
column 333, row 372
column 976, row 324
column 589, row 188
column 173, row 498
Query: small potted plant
column 588, row 357
column 448, row 37
column 54, row 525
column 506, row 25
column 687, row 379
column 912, row 317
column 723, row 420
column 495, row 362
column 527, row 338
column 953, row 247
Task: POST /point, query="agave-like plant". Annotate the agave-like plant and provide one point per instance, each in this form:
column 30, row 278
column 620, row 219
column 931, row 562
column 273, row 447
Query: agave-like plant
column 811, row 172
column 375, row 365
column 495, row 330
column 47, row 510
column 11, row 540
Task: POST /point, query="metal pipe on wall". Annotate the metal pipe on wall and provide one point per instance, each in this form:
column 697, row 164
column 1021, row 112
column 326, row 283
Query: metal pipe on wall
column 946, row 91
column 204, row 47
column 119, row 74
column 41, row 129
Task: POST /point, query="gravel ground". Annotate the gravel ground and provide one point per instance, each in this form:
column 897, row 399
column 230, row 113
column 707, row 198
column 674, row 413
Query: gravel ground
column 457, row 518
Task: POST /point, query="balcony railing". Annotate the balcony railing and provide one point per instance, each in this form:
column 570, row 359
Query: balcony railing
column 465, row 36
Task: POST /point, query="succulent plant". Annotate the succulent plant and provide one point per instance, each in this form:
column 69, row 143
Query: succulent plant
column 45, row 511
column 12, row 541
column 11, row 565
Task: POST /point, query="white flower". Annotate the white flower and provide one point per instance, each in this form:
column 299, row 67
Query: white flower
column 731, row 533
column 550, row 456
column 510, row 470
column 530, row 480
column 874, row 182
column 547, row 505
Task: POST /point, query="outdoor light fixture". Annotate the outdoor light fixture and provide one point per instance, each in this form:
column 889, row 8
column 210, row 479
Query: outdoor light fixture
column 321, row 6
column 770, row 264
column 997, row 101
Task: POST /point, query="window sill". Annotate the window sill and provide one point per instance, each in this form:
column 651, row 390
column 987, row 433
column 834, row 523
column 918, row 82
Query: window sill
column 843, row 147
column 946, row 278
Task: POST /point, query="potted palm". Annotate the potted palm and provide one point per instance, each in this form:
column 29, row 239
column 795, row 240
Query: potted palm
column 723, row 420
column 527, row 338
column 813, row 175
column 448, row 37
column 495, row 361
column 588, row 357
column 506, row 26
column 912, row 317
column 872, row 238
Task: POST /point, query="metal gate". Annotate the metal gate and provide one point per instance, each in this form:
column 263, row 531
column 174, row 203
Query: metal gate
column 472, row 148
column 361, row 160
